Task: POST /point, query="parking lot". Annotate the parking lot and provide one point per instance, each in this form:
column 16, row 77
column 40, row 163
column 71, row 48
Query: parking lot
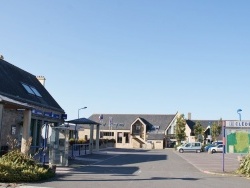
column 147, row 168
column 212, row 163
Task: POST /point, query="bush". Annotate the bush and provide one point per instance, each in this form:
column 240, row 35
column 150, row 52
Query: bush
column 244, row 168
column 17, row 167
column 71, row 141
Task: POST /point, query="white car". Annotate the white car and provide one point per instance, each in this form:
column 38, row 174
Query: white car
column 215, row 149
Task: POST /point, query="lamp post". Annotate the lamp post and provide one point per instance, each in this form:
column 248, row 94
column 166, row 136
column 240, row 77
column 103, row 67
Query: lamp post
column 210, row 132
column 78, row 118
column 238, row 111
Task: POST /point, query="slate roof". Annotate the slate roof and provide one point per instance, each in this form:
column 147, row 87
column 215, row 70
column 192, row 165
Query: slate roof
column 83, row 121
column 155, row 136
column 11, row 79
column 204, row 123
column 124, row 121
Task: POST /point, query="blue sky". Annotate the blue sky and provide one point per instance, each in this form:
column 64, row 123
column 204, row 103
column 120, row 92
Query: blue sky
column 134, row 56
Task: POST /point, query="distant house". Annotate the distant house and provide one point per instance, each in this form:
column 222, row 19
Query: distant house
column 25, row 105
column 206, row 124
column 134, row 130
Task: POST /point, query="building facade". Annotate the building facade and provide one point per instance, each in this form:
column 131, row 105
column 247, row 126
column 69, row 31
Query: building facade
column 25, row 106
column 147, row 131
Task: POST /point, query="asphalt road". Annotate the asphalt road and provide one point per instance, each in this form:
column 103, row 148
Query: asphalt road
column 140, row 168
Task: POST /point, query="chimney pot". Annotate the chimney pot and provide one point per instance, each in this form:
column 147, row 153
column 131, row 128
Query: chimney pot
column 41, row 80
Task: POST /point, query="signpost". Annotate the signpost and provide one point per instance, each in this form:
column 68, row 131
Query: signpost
column 46, row 133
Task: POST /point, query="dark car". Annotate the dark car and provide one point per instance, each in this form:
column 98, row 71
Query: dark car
column 206, row 148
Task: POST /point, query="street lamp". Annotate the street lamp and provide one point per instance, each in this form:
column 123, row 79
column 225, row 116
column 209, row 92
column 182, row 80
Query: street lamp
column 81, row 109
column 238, row 111
column 78, row 118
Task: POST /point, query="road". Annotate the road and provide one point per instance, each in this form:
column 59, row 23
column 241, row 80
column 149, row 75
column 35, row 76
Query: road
column 140, row 168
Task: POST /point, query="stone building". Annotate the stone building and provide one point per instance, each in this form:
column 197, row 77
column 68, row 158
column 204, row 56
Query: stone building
column 149, row 131
column 25, row 106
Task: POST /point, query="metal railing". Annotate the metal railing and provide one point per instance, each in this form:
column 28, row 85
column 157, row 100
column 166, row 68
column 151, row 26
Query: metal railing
column 78, row 149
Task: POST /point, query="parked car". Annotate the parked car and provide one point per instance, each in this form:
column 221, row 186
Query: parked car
column 215, row 149
column 215, row 143
column 194, row 146
column 206, row 148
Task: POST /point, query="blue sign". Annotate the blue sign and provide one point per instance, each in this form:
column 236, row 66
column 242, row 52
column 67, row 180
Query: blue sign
column 55, row 116
column 48, row 114
column 37, row 112
column 64, row 116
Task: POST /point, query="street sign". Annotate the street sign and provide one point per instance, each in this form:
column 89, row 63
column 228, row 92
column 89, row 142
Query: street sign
column 46, row 131
column 236, row 124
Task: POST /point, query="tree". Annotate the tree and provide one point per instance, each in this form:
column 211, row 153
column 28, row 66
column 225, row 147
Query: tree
column 216, row 129
column 198, row 131
column 180, row 128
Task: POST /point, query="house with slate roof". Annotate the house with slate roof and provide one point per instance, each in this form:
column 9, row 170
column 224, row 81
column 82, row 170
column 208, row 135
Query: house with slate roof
column 25, row 106
column 147, row 131
column 206, row 124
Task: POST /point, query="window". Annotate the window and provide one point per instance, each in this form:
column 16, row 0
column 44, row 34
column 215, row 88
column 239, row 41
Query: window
column 35, row 91
column 31, row 90
column 126, row 135
column 28, row 89
column 188, row 145
column 107, row 133
column 119, row 137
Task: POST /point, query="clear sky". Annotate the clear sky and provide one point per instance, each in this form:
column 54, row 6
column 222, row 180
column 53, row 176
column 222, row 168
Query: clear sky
column 134, row 56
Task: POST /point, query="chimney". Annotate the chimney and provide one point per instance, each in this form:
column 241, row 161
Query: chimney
column 41, row 80
column 1, row 57
column 189, row 116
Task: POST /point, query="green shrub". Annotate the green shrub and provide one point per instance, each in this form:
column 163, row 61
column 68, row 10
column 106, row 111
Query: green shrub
column 71, row 141
column 244, row 168
column 17, row 167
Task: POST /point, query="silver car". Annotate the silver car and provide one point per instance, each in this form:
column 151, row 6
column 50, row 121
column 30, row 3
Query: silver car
column 194, row 146
column 215, row 149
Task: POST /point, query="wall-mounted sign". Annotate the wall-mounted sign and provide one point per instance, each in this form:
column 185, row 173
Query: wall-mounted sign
column 37, row 112
column 55, row 116
column 64, row 116
column 237, row 124
column 47, row 114
column 13, row 129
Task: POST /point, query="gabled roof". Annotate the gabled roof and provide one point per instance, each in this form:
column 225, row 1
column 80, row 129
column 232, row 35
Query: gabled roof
column 124, row 121
column 204, row 123
column 11, row 79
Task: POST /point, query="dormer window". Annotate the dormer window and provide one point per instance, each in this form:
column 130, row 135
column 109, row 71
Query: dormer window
column 31, row 90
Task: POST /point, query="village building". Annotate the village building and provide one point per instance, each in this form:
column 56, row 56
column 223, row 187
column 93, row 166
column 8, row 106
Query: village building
column 206, row 125
column 148, row 131
column 25, row 106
